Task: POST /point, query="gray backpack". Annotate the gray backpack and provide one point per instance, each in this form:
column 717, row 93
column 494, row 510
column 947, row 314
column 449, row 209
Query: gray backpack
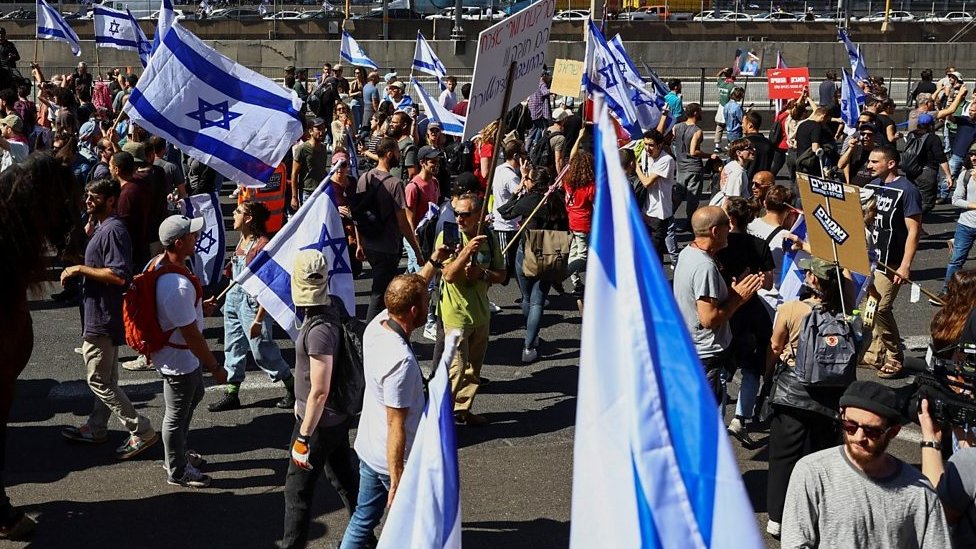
column 826, row 354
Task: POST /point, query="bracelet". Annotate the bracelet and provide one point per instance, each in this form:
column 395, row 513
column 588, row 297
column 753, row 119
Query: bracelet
column 931, row 444
column 435, row 263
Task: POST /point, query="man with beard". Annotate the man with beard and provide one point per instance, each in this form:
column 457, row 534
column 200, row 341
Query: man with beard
column 872, row 497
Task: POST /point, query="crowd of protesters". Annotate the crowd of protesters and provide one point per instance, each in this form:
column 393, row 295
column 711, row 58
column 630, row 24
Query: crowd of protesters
column 534, row 170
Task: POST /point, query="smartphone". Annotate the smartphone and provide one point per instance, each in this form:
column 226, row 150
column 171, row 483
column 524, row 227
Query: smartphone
column 452, row 236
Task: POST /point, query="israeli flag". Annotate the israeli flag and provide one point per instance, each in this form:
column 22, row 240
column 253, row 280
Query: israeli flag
column 858, row 68
column 316, row 226
column 664, row 475
column 51, row 26
column 144, row 45
column 353, row 156
column 451, row 124
column 221, row 113
column 351, row 53
column 166, row 18
column 791, row 277
column 646, row 103
column 425, row 60
column 432, row 211
column 211, row 242
column 426, row 512
column 113, row 29
column 851, row 102
column 604, row 77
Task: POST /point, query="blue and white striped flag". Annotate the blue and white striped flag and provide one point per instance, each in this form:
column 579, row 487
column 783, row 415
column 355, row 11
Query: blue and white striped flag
column 426, row 512
column 664, row 475
column 51, row 26
column 851, row 102
column 211, row 241
column 647, row 103
column 604, row 77
column 113, row 29
column 353, row 156
column 351, row 53
column 858, row 68
column 316, row 226
column 221, row 113
column 144, row 45
column 432, row 210
column 425, row 60
column 451, row 124
column 791, row 277
column 166, row 18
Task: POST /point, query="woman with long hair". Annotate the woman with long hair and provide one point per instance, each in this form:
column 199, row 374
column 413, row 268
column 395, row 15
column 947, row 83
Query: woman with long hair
column 40, row 206
column 580, row 186
column 341, row 125
column 484, row 151
column 247, row 326
column 949, row 321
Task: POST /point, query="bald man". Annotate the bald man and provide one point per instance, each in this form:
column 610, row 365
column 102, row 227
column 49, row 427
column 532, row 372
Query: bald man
column 705, row 301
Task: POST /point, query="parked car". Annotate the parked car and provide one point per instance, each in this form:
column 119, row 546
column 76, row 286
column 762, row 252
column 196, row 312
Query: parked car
column 710, row 16
column 956, row 17
column 179, row 14
column 572, row 15
column 284, row 15
column 776, row 16
column 20, row 14
column 395, row 13
column 896, row 15
column 469, row 13
column 334, row 15
column 736, row 17
column 236, row 14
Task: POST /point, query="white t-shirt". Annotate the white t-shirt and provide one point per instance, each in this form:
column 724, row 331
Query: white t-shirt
column 393, row 379
column 176, row 306
column 659, row 194
column 503, row 187
column 735, row 180
column 18, row 153
column 761, row 229
column 447, row 99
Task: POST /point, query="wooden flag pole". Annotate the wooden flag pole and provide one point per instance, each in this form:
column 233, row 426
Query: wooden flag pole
column 499, row 137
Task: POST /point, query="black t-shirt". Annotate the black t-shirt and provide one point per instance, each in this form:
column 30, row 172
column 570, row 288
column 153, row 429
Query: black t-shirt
column 896, row 200
column 808, row 133
column 764, row 154
column 860, row 172
column 883, row 122
column 933, row 154
column 923, row 87
column 833, row 114
column 744, row 251
column 571, row 130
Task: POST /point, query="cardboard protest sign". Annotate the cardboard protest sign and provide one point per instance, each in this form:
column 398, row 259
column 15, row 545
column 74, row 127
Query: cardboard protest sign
column 522, row 38
column 835, row 224
column 887, row 199
column 787, row 83
column 567, row 77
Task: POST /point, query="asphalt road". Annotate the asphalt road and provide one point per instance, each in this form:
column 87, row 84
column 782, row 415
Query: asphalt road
column 515, row 473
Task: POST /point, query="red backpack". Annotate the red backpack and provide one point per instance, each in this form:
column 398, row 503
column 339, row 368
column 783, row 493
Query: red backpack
column 142, row 330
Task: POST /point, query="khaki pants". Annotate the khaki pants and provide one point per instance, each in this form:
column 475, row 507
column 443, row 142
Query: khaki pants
column 465, row 370
column 885, row 339
column 101, row 357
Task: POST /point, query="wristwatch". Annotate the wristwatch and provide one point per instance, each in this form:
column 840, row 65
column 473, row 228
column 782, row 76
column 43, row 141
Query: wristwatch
column 435, row 263
column 931, row 444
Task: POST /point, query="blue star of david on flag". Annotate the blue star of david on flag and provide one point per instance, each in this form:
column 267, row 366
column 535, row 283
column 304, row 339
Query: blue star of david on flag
column 336, row 246
column 222, row 108
column 113, row 27
column 641, row 97
column 205, row 242
column 610, row 80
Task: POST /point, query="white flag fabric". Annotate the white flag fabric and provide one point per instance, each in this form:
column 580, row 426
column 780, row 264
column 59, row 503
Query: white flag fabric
column 145, row 46
column 604, row 77
column 647, row 105
column 425, row 60
column 664, row 475
column 426, row 512
column 451, row 124
column 351, row 53
column 51, row 26
column 166, row 18
column 225, row 115
column 211, row 241
column 316, row 226
column 113, row 29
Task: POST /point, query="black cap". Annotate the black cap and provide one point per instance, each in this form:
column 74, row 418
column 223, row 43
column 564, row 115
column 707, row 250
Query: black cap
column 873, row 397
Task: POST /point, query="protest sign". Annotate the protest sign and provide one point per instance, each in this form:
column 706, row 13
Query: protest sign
column 523, row 39
column 567, row 77
column 787, row 83
column 835, row 224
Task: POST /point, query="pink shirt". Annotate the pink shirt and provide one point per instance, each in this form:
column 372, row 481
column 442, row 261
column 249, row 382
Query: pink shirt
column 418, row 193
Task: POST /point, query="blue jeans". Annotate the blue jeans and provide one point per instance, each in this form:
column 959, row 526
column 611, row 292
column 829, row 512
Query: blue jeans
column 534, row 293
column 955, row 166
column 239, row 312
column 748, row 391
column 374, row 490
column 962, row 244
column 412, row 265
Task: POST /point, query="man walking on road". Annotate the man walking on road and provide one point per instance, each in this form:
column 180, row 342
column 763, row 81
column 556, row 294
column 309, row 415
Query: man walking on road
column 106, row 272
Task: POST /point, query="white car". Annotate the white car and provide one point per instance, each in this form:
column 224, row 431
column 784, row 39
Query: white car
column 572, row 15
column 710, row 16
column 736, row 17
column 469, row 13
column 956, row 17
column 155, row 15
column 284, row 15
column 895, row 16
column 776, row 16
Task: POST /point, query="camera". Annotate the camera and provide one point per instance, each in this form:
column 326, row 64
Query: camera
column 949, row 385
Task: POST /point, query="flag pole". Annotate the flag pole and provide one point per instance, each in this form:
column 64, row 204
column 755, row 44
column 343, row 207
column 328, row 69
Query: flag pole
column 525, row 222
column 929, row 294
column 35, row 85
column 98, row 65
column 499, row 136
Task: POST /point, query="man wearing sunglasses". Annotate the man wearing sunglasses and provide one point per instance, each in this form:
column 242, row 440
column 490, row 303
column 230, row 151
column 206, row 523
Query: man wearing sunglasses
column 858, row 494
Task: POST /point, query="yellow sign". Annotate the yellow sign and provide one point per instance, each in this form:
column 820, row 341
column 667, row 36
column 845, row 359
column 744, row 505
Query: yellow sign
column 835, row 223
column 567, row 77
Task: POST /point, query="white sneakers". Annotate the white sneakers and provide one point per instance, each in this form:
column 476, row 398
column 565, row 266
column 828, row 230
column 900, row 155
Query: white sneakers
column 773, row 528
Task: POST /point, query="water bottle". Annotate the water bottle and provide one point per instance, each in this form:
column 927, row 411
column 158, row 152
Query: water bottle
column 857, row 325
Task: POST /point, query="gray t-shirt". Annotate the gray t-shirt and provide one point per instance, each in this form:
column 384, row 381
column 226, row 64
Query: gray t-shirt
column 695, row 277
column 831, row 503
column 957, row 490
column 683, row 133
column 316, row 339
column 390, row 198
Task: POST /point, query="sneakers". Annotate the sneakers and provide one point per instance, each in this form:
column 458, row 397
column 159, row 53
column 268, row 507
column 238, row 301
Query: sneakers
column 494, row 308
column 773, row 528
column 82, row 434
column 140, row 364
column 287, row 402
column 134, row 446
column 19, row 528
column 192, row 478
column 230, row 401
column 741, row 433
column 467, row 418
column 529, row 356
column 430, row 331
column 195, row 459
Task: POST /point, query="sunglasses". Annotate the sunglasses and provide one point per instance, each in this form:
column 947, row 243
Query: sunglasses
column 972, row 154
column 873, row 433
column 463, row 215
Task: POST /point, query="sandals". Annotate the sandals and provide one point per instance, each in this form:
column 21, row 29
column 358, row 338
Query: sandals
column 890, row 370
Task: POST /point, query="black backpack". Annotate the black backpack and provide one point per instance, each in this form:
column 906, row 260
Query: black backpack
column 348, row 385
column 460, row 157
column 911, row 160
column 542, row 155
column 365, row 208
column 640, row 193
column 826, row 354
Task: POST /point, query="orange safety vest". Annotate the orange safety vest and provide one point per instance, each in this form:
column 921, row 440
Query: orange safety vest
column 272, row 195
